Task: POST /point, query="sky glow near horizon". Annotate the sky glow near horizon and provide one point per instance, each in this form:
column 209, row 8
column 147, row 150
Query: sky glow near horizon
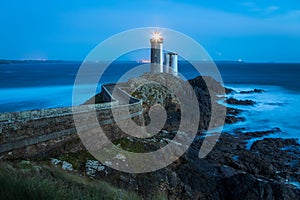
column 257, row 31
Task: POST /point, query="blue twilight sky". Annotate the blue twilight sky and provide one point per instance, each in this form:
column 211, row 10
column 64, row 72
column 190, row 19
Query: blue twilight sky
column 251, row 30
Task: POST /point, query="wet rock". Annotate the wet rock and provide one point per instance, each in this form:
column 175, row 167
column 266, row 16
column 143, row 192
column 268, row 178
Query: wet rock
column 240, row 102
column 274, row 143
column 252, row 91
column 232, row 119
column 203, row 81
column 55, row 161
column 246, row 186
column 229, row 90
column 233, row 111
column 258, row 134
column 67, row 166
column 93, row 166
column 64, row 165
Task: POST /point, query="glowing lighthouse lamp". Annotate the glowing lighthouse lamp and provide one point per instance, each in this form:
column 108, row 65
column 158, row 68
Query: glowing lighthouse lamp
column 156, row 36
column 156, row 53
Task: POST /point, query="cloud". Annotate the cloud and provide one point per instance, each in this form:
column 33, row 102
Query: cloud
column 191, row 19
column 251, row 6
column 273, row 8
column 263, row 10
column 292, row 15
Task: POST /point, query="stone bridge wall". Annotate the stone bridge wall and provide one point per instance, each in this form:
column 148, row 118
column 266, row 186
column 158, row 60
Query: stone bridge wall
column 31, row 132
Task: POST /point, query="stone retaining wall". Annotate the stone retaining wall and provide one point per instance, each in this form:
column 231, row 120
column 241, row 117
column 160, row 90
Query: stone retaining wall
column 23, row 129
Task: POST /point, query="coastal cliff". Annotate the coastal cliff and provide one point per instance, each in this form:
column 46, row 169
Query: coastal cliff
column 266, row 169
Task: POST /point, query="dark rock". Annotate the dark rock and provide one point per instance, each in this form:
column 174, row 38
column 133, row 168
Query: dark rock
column 229, row 171
column 213, row 179
column 202, row 82
column 252, row 91
column 233, row 111
column 246, row 186
column 229, row 90
column 258, row 134
column 240, row 102
column 273, row 144
column 232, row 119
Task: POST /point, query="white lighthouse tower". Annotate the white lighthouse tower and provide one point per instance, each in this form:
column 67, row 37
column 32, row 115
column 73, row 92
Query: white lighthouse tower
column 156, row 53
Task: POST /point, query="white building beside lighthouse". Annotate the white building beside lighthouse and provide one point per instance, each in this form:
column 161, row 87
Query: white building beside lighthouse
column 171, row 63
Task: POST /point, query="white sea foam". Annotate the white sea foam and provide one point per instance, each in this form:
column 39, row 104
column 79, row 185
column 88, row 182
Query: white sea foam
column 276, row 107
column 294, row 183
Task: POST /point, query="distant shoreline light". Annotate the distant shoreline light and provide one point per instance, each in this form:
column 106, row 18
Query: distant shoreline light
column 144, row 61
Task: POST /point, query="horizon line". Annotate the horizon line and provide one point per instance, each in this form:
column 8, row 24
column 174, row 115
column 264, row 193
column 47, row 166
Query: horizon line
column 7, row 61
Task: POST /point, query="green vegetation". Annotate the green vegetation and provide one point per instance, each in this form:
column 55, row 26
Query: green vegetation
column 137, row 94
column 132, row 146
column 36, row 182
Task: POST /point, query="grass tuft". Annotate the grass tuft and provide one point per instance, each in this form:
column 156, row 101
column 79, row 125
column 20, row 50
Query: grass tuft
column 51, row 183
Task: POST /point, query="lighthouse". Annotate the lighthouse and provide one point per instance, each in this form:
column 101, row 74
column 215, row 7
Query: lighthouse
column 159, row 64
column 156, row 53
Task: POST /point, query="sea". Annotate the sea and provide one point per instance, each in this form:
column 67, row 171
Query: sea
column 34, row 85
